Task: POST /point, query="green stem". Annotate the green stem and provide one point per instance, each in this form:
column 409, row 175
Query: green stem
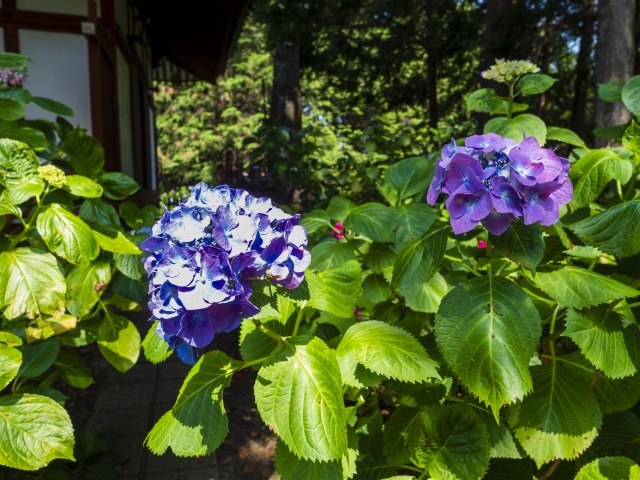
column 619, row 190
column 266, row 331
column 299, row 318
column 29, row 226
column 411, row 467
column 252, row 363
column 454, row 399
column 593, row 263
column 460, row 262
column 627, row 307
column 563, row 236
column 552, row 329
column 424, row 475
column 631, row 187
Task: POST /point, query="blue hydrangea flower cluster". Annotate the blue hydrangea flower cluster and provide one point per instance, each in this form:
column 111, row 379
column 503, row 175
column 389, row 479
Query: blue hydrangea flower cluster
column 205, row 254
column 494, row 180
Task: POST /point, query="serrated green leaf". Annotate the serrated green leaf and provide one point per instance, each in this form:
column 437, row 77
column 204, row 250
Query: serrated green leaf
column 129, row 265
column 396, row 432
column 630, row 95
column 610, row 92
column 11, row 109
column 560, row 419
column 67, row 235
column 33, row 137
column 501, row 440
column 610, row 468
column 38, row 357
column 600, row 334
column 374, row 221
column 412, row 221
column 97, row 211
column 535, row 83
column 592, row 172
column 516, row 128
column 19, row 172
column 290, row 467
column 566, row 136
column 31, row 283
column 410, row 176
column 83, row 187
column 6, row 208
column 451, row 442
column 13, row 60
column 418, row 261
column 522, row 244
column 584, row 252
column 576, row 287
column 379, row 257
column 85, row 286
column 620, row 435
column 155, row 349
column 299, row 394
column 336, row 290
column 122, row 303
column 10, row 361
column 487, row 329
column 614, row 132
column 197, row 423
column 339, row 208
column 53, row 106
column 72, row 369
column 615, row 231
column 485, row 100
column 426, row 297
column 27, row 444
column 119, row 341
column 509, row 469
column 118, row 186
column 113, row 240
column 315, row 220
column 330, row 254
column 85, row 153
column 375, row 288
column 128, row 288
column 386, row 350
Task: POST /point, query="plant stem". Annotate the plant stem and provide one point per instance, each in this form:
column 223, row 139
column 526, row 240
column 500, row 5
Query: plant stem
column 424, row 475
column 454, row 399
column 563, row 236
column 411, row 467
column 631, row 187
column 552, row 329
column 549, row 472
column 460, row 262
column 627, row 307
column 386, row 391
column 252, row 363
column 266, row 331
column 619, row 190
column 29, row 226
column 593, row 263
column 299, row 318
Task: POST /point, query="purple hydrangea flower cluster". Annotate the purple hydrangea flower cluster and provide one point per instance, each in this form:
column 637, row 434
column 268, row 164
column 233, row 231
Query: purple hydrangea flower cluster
column 495, row 180
column 205, row 254
column 10, row 77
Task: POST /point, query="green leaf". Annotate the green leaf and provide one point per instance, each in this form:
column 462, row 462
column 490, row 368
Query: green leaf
column 375, row 288
column 426, row 297
column 118, row 186
column 67, row 235
column 560, row 419
column 10, row 361
column 11, row 109
column 290, row 467
column 600, row 334
column 630, row 95
column 386, row 350
column 412, row 220
column 576, row 287
column 501, row 440
column 451, row 442
column 33, row 137
column 525, row 124
column 129, row 288
column 374, row 221
column 129, row 265
column 566, row 136
column 584, row 252
column 197, row 423
column 13, row 60
column 330, row 254
column 136, row 218
column 316, row 220
column 31, row 283
column 113, row 240
column 38, row 357
column 535, row 83
column 122, row 303
column 19, row 172
column 119, row 341
column 299, row 394
column 27, row 444
column 83, row 187
column 522, row 244
column 85, row 286
column 379, row 257
column 410, row 176
column 339, row 208
column 155, row 349
column 614, row 132
column 6, row 208
column 396, row 433
column 418, row 261
column 620, row 435
column 487, row 329
column 610, row 468
column 615, row 231
column 96, row 211
column 72, row 369
column 85, row 153
column 610, row 92
column 484, row 100
column 592, row 172
column 53, row 106
column 336, row 290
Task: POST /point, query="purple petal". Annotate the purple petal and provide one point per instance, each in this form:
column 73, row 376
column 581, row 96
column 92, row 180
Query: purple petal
column 489, row 142
column 463, row 224
column 497, row 223
column 481, row 207
column 154, row 244
column 198, row 327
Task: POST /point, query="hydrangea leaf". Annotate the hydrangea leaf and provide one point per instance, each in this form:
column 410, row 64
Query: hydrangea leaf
column 410, row 176
column 566, row 136
column 336, row 290
column 315, row 220
column 85, row 286
column 330, row 254
column 630, row 95
column 339, row 208
column 197, row 423
column 13, row 60
column 426, row 297
column 379, row 257
column 592, row 172
column 119, row 341
column 113, row 240
column 620, row 435
column 38, row 357
column 67, row 235
column 299, row 394
column 484, row 100
column 522, row 244
column 502, row 443
column 290, row 467
column 10, row 361
column 128, row 288
column 53, row 106
column 348, row 461
column 610, row 92
column 487, row 329
column 535, row 83
column 155, row 349
column 451, row 442
column 560, row 419
column 396, row 432
column 509, row 469
column 118, row 186
column 610, row 468
column 129, row 265
column 386, row 350
column 96, row 211
column 584, row 252
column 418, row 260
column 615, row 231
column 31, row 283
column 524, row 125
column 413, row 220
column 72, row 369
column 19, row 172
column 600, row 334
column 375, row 288
column 612, row 395
column 576, row 287
column 85, row 153
column 374, row 221
column 11, row 109
column 81, row 186
column 30, row 445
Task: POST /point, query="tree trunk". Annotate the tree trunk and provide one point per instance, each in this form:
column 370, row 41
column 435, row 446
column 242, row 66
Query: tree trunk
column 615, row 54
column 286, row 101
column 583, row 67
